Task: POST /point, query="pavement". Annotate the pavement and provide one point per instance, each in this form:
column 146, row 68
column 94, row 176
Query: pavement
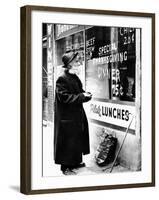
column 51, row 169
column 92, row 168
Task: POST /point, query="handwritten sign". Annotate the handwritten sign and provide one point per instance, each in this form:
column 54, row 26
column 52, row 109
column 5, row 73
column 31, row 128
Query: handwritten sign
column 111, row 57
column 111, row 113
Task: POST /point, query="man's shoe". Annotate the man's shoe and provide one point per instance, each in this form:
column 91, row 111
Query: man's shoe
column 79, row 166
column 68, row 171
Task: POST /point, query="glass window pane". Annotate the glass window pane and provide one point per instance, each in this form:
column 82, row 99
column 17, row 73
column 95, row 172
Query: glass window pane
column 126, row 44
column 97, row 69
column 74, row 43
column 110, row 62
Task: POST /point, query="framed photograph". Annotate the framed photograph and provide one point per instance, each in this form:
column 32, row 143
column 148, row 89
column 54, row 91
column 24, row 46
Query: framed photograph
column 87, row 99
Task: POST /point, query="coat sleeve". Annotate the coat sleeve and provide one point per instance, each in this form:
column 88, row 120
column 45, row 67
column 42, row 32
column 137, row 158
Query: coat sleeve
column 65, row 96
column 80, row 83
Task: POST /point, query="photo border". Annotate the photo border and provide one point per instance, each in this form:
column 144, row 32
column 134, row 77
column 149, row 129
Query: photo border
column 26, row 107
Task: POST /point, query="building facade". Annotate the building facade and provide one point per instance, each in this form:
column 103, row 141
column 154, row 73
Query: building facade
column 109, row 66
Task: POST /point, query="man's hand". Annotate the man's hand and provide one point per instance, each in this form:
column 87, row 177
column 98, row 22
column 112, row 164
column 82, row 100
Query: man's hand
column 87, row 94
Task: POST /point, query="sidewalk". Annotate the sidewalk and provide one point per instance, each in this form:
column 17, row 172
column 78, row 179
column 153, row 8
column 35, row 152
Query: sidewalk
column 92, row 168
column 99, row 170
column 50, row 169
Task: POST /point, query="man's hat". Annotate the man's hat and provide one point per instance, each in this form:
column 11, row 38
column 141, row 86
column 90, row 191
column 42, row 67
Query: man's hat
column 68, row 57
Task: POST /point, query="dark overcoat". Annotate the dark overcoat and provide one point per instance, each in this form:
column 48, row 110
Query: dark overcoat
column 71, row 138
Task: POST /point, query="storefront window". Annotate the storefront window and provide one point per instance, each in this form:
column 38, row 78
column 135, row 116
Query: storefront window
column 74, row 43
column 110, row 63
column 97, row 70
column 126, row 46
column 106, row 66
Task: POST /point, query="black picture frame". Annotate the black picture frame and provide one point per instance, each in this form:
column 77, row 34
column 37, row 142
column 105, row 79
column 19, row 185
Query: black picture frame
column 26, row 107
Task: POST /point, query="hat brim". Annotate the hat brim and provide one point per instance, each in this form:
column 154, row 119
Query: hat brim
column 71, row 59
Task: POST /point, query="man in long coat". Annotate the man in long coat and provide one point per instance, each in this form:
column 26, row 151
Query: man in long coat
column 71, row 139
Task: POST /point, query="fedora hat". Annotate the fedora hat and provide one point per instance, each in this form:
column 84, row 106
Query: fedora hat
column 68, row 57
